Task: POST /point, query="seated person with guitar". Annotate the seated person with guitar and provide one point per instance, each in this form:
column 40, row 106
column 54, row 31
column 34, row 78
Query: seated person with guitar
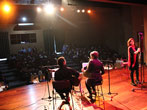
column 93, row 73
column 65, row 73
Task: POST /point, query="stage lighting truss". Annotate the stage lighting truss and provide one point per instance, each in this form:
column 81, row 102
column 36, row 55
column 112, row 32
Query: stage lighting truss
column 50, row 9
column 86, row 11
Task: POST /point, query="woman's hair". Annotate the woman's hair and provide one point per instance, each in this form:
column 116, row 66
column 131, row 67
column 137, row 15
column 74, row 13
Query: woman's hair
column 128, row 42
column 94, row 54
column 60, row 61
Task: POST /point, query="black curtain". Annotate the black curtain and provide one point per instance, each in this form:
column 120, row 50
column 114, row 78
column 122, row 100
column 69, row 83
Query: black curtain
column 49, row 41
column 4, row 45
column 59, row 39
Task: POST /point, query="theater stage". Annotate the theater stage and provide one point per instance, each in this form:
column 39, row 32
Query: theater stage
column 29, row 97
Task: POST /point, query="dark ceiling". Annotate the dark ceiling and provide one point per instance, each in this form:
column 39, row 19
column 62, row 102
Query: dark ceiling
column 122, row 1
column 30, row 11
column 142, row 2
column 132, row 1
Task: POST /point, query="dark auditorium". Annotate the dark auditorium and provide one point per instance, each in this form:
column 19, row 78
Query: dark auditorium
column 73, row 54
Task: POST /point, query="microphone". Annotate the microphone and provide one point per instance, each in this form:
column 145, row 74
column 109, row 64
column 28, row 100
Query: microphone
column 140, row 34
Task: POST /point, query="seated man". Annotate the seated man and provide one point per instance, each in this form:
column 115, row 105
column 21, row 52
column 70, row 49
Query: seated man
column 93, row 72
column 64, row 73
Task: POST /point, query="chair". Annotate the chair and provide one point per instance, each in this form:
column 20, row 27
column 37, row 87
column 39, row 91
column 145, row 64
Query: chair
column 76, row 82
column 98, row 95
column 61, row 86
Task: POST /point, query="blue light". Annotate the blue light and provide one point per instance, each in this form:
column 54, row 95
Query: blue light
column 24, row 19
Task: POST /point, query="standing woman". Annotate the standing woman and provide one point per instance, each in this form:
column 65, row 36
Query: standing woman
column 133, row 60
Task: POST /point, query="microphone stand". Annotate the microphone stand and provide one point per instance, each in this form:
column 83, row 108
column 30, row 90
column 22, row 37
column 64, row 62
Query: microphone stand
column 109, row 93
column 47, row 72
column 142, row 76
column 140, row 34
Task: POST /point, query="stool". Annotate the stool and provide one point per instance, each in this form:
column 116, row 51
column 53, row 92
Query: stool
column 98, row 95
column 76, row 82
column 61, row 86
column 78, row 91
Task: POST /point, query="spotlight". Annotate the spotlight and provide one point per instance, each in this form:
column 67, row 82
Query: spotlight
column 78, row 11
column 24, row 19
column 49, row 9
column 6, row 8
column 89, row 11
column 61, row 9
column 83, row 11
column 39, row 9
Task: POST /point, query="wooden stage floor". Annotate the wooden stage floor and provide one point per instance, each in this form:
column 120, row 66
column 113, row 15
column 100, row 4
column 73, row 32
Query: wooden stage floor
column 30, row 97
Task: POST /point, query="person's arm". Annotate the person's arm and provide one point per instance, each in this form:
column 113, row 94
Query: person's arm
column 135, row 55
column 137, row 51
column 75, row 73
column 89, row 67
column 86, row 72
column 129, row 60
column 132, row 52
column 102, row 70
column 57, row 76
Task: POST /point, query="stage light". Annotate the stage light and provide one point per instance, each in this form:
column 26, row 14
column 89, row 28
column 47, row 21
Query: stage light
column 6, row 7
column 7, row 11
column 24, row 19
column 49, row 9
column 61, row 9
column 89, row 11
column 78, row 11
column 39, row 9
column 83, row 11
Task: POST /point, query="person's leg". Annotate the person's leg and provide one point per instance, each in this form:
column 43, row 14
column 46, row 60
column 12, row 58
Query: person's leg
column 88, row 86
column 67, row 99
column 62, row 96
column 137, row 75
column 132, row 77
column 93, row 86
column 63, row 102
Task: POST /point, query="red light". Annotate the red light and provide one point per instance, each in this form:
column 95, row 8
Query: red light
column 89, row 11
